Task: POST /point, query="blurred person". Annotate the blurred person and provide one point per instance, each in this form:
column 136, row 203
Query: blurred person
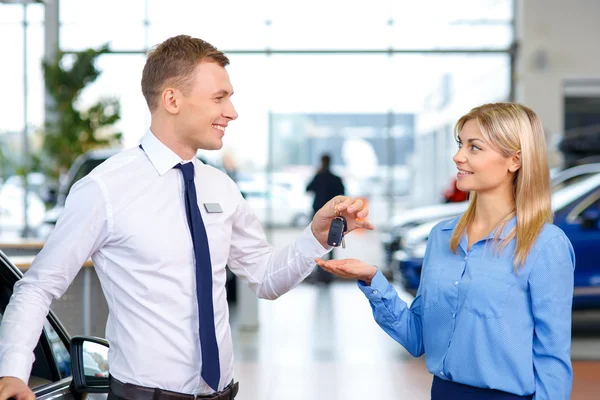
column 325, row 185
column 160, row 226
column 230, row 165
column 493, row 310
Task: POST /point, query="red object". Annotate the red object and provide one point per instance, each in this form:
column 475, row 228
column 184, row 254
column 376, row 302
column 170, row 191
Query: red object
column 454, row 195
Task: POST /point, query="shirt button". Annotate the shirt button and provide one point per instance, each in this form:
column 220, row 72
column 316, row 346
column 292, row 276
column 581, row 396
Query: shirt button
column 375, row 292
column 466, row 258
column 455, row 283
column 442, row 373
column 454, row 315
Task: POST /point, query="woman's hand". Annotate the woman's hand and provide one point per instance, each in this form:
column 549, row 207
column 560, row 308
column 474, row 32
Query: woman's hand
column 349, row 268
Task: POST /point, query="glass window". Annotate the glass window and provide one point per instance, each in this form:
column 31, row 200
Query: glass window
column 92, row 24
column 61, row 354
column 435, row 24
column 121, row 78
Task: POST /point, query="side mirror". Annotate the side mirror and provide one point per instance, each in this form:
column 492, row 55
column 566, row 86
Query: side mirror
column 590, row 220
column 89, row 364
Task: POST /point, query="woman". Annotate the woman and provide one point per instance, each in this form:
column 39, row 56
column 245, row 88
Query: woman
column 493, row 310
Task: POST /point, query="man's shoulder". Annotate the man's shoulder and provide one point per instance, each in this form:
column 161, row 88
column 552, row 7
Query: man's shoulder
column 218, row 178
column 116, row 163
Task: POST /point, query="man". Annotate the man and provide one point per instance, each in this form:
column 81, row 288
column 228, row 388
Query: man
column 325, row 185
column 160, row 226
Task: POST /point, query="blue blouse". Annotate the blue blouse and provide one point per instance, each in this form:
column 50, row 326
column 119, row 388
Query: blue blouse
column 482, row 324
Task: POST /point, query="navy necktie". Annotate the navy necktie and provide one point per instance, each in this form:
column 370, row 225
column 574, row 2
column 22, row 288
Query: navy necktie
column 211, row 370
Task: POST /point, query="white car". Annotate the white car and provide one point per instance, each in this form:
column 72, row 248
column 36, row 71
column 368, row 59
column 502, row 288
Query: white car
column 414, row 241
column 287, row 207
column 392, row 238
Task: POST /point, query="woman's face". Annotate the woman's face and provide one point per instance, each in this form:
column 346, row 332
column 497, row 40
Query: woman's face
column 481, row 168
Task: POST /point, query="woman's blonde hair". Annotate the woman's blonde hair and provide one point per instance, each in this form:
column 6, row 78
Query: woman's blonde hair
column 510, row 128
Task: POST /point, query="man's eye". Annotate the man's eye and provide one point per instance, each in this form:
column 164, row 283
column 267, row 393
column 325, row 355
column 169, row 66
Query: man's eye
column 475, row 148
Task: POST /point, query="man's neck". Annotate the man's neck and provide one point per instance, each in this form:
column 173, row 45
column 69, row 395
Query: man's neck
column 166, row 135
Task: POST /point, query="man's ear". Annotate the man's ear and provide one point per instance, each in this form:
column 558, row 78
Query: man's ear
column 170, row 100
column 515, row 162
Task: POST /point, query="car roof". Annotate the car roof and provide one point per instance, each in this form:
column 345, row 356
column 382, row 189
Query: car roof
column 8, row 267
column 430, row 212
column 569, row 173
column 563, row 197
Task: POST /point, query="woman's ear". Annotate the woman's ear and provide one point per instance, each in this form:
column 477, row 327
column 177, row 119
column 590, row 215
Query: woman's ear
column 515, row 162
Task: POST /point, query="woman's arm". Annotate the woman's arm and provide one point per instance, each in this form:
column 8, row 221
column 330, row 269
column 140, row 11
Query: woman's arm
column 551, row 291
column 392, row 314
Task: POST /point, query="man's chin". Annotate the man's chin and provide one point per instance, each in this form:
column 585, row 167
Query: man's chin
column 217, row 145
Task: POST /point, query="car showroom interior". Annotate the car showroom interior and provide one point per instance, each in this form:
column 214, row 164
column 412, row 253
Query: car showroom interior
column 336, row 144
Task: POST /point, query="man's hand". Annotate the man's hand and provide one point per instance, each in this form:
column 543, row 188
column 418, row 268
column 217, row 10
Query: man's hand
column 15, row 388
column 354, row 210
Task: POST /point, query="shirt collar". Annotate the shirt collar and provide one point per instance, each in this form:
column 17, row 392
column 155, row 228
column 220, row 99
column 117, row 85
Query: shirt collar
column 450, row 225
column 162, row 158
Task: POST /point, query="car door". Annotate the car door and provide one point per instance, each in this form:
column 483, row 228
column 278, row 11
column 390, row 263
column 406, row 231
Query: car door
column 51, row 372
column 582, row 225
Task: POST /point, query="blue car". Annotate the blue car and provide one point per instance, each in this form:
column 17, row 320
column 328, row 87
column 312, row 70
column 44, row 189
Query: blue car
column 576, row 211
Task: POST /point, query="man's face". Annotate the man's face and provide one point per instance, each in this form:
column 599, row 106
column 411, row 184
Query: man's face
column 207, row 109
column 481, row 167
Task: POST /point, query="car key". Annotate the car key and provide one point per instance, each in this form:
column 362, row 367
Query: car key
column 344, row 234
column 339, row 226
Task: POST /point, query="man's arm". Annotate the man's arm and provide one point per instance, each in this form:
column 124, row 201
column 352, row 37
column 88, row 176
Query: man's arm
column 79, row 232
column 271, row 274
column 268, row 273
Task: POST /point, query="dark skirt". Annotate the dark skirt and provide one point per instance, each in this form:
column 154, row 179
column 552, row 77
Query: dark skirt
column 446, row 390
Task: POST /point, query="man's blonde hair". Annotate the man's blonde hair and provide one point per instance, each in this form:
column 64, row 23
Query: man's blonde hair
column 510, row 128
column 173, row 62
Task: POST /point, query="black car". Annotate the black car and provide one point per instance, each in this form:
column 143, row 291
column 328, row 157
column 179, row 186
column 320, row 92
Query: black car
column 64, row 366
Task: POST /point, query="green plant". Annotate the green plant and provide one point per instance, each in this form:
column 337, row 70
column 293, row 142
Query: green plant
column 71, row 131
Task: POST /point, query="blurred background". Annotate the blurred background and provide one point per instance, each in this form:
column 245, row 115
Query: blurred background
column 378, row 86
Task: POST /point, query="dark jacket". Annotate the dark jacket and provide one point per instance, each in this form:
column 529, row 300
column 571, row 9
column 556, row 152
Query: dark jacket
column 326, row 186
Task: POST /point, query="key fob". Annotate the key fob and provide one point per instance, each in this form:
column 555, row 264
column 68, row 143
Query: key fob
column 336, row 231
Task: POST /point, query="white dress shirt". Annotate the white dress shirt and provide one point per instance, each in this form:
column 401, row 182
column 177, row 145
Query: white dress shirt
column 129, row 216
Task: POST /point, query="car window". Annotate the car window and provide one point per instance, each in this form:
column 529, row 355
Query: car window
column 50, row 353
column 62, row 356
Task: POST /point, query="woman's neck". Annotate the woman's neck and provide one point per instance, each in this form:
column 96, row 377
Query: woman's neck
column 492, row 208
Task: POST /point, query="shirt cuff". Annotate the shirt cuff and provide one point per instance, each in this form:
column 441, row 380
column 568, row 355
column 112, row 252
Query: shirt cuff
column 309, row 246
column 377, row 288
column 16, row 365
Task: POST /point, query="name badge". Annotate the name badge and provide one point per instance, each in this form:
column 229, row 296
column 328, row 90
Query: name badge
column 213, row 208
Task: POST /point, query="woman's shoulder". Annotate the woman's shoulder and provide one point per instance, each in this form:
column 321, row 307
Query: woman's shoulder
column 552, row 238
column 550, row 232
